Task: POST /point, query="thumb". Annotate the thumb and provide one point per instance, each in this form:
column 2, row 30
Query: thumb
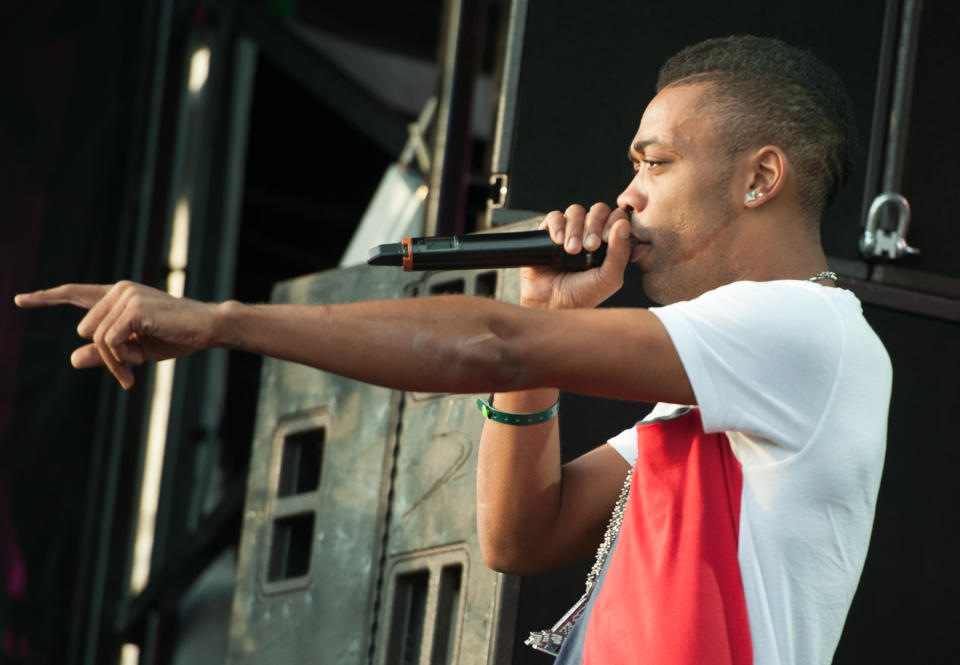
column 618, row 254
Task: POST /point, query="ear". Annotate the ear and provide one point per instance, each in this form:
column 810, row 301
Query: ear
column 765, row 175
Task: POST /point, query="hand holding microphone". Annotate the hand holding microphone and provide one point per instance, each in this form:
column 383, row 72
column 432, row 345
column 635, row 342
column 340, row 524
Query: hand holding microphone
column 566, row 264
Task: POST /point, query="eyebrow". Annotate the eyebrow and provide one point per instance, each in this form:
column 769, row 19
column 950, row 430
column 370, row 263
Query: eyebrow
column 639, row 147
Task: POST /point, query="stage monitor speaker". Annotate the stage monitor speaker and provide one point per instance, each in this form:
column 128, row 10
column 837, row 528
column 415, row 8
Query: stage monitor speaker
column 359, row 540
column 322, row 456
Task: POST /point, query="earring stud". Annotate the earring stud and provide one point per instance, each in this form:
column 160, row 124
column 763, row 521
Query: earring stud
column 751, row 197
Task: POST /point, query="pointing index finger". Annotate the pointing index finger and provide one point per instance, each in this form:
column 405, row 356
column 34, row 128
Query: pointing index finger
column 79, row 295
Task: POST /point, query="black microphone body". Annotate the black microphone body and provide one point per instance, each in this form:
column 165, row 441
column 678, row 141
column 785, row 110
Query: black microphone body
column 483, row 250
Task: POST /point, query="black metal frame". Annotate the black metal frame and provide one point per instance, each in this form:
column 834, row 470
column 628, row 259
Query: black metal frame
column 103, row 551
column 108, row 616
column 461, row 50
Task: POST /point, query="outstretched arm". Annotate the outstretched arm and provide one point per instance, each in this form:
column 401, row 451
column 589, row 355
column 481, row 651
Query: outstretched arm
column 532, row 513
column 442, row 344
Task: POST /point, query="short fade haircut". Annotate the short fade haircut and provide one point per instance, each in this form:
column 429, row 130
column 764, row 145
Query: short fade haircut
column 767, row 92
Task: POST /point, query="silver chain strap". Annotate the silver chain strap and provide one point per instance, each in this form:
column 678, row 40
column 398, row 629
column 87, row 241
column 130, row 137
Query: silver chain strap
column 610, row 535
column 550, row 641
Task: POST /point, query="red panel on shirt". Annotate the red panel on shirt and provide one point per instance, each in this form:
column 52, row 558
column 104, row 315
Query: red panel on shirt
column 673, row 593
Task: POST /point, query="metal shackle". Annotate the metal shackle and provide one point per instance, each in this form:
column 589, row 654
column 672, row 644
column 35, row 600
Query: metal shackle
column 877, row 242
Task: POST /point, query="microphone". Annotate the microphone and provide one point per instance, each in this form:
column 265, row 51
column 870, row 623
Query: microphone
column 483, row 250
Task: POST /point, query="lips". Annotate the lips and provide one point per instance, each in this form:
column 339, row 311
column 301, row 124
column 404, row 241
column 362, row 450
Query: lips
column 640, row 247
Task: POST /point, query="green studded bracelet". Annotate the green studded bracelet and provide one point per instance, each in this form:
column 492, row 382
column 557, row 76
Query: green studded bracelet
column 516, row 418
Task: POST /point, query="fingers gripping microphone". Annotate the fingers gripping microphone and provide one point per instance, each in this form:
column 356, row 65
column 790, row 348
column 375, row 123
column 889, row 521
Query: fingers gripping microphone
column 483, row 250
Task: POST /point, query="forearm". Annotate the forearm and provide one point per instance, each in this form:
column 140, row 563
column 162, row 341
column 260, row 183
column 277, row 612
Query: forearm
column 518, row 484
column 442, row 344
column 534, row 513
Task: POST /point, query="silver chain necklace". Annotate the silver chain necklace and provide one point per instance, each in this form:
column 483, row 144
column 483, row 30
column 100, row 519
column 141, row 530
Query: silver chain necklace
column 610, row 535
column 550, row 641
column 826, row 274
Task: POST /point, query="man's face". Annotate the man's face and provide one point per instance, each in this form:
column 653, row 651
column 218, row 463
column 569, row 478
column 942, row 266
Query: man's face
column 681, row 198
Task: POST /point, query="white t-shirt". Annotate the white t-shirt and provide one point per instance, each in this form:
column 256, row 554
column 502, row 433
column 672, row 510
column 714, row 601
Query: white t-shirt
column 800, row 384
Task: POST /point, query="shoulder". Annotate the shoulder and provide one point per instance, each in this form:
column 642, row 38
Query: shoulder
column 783, row 307
column 764, row 358
column 745, row 296
column 754, row 350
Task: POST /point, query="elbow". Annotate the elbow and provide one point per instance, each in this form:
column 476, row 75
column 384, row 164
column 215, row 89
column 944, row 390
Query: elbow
column 492, row 348
column 511, row 555
column 495, row 560
column 507, row 560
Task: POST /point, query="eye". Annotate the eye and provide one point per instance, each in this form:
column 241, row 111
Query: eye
column 646, row 165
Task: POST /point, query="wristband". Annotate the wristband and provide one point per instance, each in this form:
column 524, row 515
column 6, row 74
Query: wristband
column 516, row 418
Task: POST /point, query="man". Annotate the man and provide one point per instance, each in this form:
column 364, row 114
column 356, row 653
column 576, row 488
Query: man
column 750, row 506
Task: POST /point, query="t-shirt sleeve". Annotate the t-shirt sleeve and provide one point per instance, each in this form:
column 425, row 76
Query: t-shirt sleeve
column 762, row 357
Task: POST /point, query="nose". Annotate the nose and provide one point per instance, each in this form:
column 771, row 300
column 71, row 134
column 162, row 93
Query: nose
column 632, row 198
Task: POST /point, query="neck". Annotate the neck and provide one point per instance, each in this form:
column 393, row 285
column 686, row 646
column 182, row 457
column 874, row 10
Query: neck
column 780, row 247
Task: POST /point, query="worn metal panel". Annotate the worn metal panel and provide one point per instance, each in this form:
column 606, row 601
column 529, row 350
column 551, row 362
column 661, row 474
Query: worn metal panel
column 432, row 515
column 395, row 501
column 323, row 616
column 434, row 506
